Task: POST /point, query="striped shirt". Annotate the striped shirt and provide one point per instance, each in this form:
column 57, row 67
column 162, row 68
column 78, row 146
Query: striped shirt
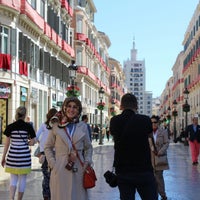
column 18, row 160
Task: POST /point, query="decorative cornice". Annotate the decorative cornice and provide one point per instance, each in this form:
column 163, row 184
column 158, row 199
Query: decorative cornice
column 27, row 24
column 9, row 13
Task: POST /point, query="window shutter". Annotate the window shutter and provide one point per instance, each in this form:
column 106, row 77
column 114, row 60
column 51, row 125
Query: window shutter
column 28, row 49
column 32, row 54
column 53, row 20
column 49, row 15
column 41, row 59
column 13, row 42
column 24, row 48
column 53, row 66
column 20, row 45
column 64, row 73
column 37, row 56
column 46, row 62
column 58, row 70
column 57, row 25
column 63, row 31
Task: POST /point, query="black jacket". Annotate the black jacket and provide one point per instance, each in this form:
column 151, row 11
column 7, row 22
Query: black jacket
column 191, row 134
column 132, row 151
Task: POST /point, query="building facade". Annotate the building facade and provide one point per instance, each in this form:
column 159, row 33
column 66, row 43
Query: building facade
column 38, row 41
column 117, row 86
column 135, row 74
column 186, row 75
column 35, row 49
column 91, row 51
column 191, row 62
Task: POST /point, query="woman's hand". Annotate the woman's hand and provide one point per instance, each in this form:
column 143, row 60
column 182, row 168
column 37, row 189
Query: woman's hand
column 155, row 153
column 85, row 165
column 3, row 162
column 31, row 142
column 6, row 146
column 73, row 156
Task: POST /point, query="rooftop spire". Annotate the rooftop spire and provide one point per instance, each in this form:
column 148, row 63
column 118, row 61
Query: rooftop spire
column 133, row 42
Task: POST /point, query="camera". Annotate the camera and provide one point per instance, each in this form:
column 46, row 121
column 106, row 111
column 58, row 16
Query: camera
column 111, row 178
column 69, row 165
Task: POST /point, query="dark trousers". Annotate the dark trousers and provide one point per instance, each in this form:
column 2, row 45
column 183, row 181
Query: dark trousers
column 160, row 182
column 46, row 179
column 142, row 182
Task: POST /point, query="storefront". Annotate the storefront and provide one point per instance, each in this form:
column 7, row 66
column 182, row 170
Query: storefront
column 5, row 92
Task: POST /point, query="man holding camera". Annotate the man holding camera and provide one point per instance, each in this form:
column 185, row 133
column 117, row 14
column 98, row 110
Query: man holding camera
column 132, row 160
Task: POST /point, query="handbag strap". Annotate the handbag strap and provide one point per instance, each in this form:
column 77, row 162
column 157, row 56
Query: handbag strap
column 73, row 146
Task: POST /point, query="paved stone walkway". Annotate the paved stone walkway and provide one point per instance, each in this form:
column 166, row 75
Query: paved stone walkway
column 182, row 180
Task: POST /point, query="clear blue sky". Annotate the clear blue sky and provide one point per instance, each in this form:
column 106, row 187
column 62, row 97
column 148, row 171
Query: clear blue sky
column 158, row 28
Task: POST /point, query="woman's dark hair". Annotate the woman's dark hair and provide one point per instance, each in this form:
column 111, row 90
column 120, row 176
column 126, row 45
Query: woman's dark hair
column 156, row 117
column 49, row 115
column 84, row 117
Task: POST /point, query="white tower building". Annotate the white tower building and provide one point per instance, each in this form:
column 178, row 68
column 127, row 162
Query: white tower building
column 135, row 74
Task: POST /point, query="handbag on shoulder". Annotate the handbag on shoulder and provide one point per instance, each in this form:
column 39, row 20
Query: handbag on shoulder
column 161, row 160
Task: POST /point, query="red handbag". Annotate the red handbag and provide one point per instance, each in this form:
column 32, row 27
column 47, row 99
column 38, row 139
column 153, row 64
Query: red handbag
column 89, row 178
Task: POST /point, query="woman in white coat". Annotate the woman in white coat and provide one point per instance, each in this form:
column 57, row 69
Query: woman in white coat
column 66, row 181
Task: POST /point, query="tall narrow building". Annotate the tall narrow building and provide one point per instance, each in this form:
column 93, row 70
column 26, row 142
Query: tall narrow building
column 135, row 74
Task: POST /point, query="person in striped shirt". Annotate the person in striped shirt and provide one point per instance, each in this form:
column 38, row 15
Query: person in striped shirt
column 16, row 155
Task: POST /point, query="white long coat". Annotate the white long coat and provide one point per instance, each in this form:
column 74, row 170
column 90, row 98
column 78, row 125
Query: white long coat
column 65, row 184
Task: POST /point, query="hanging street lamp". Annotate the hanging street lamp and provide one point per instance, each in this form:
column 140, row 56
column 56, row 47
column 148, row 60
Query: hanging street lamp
column 72, row 89
column 174, row 114
column 100, row 106
column 186, row 109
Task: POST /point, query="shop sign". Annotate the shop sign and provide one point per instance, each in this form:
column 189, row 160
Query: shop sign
column 5, row 90
column 34, row 95
column 23, row 94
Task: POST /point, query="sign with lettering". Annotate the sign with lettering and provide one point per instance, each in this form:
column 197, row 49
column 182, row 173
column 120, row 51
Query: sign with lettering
column 5, row 90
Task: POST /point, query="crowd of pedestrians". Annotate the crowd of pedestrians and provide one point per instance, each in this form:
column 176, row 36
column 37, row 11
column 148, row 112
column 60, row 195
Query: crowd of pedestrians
column 95, row 132
column 66, row 137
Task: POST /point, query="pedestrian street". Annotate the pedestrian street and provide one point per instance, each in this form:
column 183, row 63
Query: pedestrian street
column 182, row 180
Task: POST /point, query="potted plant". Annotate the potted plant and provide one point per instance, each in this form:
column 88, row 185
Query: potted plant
column 100, row 105
column 73, row 91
